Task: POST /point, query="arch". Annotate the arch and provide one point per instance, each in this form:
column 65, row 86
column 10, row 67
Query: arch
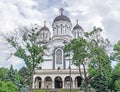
column 58, row 82
column 67, row 82
column 38, row 82
column 48, row 82
column 78, row 81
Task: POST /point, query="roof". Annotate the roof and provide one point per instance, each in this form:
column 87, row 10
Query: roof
column 44, row 28
column 62, row 17
column 77, row 26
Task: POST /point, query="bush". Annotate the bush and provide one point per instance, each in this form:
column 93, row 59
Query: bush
column 8, row 87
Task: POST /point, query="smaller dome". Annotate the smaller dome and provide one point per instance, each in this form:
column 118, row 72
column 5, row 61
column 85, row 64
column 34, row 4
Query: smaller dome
column 77, row 26
column 44, row 27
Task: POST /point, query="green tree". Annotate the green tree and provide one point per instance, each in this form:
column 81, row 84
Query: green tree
column 90, row 56
column 115, row 82
column 99, row 60
column 27, row 48
column 25, row 76
column 3, row 73
column 79, row 49
column 8, row 87
column 11, row 75
column 115, row 56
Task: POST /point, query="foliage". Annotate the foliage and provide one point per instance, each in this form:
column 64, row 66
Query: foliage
column 11, row 75
column 114, row 84
column 25, row 76
column 100, row 84
column 80, row 51
column 3, row 73
column 100, row 64
column 27, row 47
column 99, row 59
column 115, row 55
column 117, row 84
column 8, row 87
column 89, row 52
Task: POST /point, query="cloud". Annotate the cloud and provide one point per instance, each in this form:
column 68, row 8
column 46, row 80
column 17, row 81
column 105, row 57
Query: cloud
column 101, row 13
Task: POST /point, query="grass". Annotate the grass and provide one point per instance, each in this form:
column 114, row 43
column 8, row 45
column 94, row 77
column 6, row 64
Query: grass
column 60, row 90
column 40, row 91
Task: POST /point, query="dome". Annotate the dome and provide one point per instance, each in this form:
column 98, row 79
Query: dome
column 44, row 27
column 62, row 17
column 77, row 26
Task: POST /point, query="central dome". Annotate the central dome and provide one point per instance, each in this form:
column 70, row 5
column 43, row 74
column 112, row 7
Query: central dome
column 62, row 17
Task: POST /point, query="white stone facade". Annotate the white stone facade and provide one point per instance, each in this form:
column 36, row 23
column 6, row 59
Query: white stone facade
column 54, row 72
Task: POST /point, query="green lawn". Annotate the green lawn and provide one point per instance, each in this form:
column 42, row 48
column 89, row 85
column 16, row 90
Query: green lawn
column 60, row 90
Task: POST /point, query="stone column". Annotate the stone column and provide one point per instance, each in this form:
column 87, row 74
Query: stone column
column 33, row 84
column 53, row 84
column 63, row 85
column 73, row 84
column 42, row 84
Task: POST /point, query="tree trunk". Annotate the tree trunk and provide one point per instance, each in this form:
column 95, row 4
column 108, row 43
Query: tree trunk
column 87, row 87
column 31, row 82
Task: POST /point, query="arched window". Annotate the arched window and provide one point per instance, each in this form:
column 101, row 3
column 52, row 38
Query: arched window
column 48, row 82
column 38, row 82
column 59, row 56
column 67, row 82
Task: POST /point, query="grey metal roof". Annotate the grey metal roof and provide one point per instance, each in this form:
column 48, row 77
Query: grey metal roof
column 44, row 28
column 77, row 26
column 62, row 17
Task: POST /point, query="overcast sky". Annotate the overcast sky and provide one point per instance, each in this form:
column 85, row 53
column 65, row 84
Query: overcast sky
column 90, row 13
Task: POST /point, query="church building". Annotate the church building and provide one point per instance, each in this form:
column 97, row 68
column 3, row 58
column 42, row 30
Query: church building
column 57, row 71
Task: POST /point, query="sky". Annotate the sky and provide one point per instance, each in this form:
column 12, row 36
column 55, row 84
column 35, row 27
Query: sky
column 90, row 13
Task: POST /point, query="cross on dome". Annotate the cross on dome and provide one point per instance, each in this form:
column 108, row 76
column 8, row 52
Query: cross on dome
column 77, row 21
column 61, row 10
column 44, row 23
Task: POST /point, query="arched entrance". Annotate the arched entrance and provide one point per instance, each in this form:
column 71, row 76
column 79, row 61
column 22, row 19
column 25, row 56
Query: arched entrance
column 67, row 82
column 38, row 82
column 48, row 82
column 78, row 81
column 58, row 82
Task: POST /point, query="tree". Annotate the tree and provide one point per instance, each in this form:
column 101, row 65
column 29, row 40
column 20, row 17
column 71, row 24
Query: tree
column 3, row 73
column 25, row 76
column 115, row 56
column 79, row 49
column 89, row 55
column 99, row 60
column 8, row 87
column 25, row 41
column 115, row 82
column 11, row 75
